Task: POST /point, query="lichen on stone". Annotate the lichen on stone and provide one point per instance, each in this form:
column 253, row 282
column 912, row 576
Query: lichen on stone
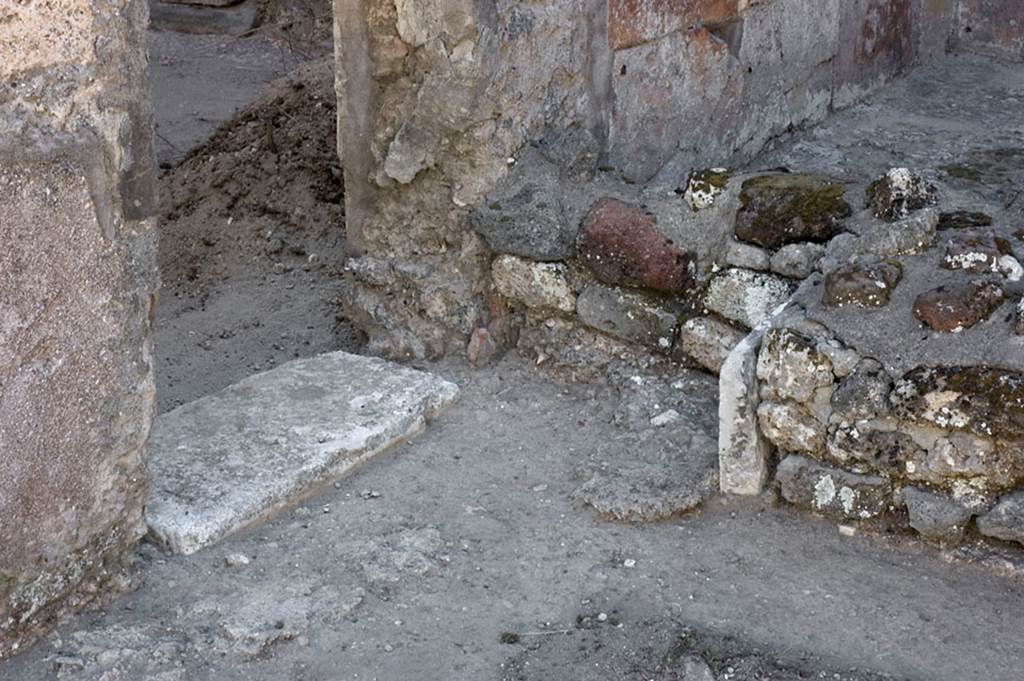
column 704, row 186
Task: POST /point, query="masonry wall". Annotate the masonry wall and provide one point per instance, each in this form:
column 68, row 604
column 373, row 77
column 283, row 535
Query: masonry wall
column 77, row 276
column 470, row 129
column 992, row 27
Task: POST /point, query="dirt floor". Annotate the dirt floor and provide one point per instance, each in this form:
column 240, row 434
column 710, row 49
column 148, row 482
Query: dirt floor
column 462, row 555
column 468, row 553
column 252, row 223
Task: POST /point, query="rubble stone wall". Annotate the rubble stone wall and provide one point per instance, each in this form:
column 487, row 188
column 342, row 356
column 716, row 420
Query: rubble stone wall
column 473, row 129
column 77, row 276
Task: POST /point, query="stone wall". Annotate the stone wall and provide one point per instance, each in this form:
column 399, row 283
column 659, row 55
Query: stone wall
column 992, row 27
column 77, row 276
column 474, row 129
column 891, row 387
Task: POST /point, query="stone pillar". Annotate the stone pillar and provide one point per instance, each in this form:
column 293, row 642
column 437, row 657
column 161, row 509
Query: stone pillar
column 77, row 281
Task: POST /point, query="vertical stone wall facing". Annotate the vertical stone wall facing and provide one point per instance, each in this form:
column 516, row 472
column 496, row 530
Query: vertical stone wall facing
column 471, row 128
column 992, row 27
column 77, row 275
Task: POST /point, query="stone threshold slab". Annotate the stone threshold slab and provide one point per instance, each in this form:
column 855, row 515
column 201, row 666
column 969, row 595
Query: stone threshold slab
column 234, row 458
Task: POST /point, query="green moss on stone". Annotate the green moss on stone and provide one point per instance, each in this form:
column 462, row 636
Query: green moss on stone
column 780, row 209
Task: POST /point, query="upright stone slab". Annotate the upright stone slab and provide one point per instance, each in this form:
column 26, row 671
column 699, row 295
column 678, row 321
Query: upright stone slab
column 77, row 275
column 742, row 450
column 231, row 459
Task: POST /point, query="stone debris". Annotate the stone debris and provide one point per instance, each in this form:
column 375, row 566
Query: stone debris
column 957, row 307
column 534, row 284
column 708, row 341
column 620, row 245
column 746, row 297
column 981, row 254
column 898, row 193
column 236, row 457
column 865, row 283
column 790, row 208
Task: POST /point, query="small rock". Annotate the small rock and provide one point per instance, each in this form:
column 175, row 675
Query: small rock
column 899, row 192
column 708, row 341
column 746, row 297
column 865, row 450
column 629, row 563
column 863, row 283
column 1019, row 323
column 963, row 219
column 482, row 347
column 236, row 560
column 1006, row 520
column 957, row 307
column 620, row 245
column 790, row 367
column 739, row 254
column 704, row 186
column 534, row 284
column 369, row 494
column 935, row 516
column 832, row 491
column 629, row 315
column 782, row 209
column 791, row 428
column 797, row 261
column 695, row 669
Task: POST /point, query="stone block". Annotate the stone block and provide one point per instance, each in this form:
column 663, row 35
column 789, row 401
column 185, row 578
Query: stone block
column 743, row 451
column 776, row 210
column 797, row 261
column 791, row 428
column 957, row 307
column 534, row 284
column 630, row 315
column 76, row 296
column 746, row 297
column 708, row 341
column 620, row 245
column 936, row 517
column 1006, row 520
column 236, row 457
column 994, row 27
column 790, row 367
column 831, row 491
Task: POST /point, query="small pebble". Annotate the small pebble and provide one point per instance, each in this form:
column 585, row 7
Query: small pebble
column 236, row 560
column 629, row 562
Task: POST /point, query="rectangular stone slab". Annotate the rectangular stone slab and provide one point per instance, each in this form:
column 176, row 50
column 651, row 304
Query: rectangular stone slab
column 228, row 460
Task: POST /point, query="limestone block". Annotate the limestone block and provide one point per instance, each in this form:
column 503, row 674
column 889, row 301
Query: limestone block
column 742, row 450
column 708, row 341
column 790, row 367
column 746, row 297
column 534, row 284
column 236, row 457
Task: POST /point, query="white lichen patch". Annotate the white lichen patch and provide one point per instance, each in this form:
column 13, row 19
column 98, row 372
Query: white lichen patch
column 824, row 492
column 703, row 187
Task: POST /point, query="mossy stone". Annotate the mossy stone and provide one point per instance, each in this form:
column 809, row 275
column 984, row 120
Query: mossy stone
column 783, row 209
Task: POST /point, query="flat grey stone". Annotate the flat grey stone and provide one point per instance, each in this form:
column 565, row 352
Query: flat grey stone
column 233, row 458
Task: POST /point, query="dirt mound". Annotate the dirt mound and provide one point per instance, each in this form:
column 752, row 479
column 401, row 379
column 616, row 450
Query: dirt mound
column 252, row 240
